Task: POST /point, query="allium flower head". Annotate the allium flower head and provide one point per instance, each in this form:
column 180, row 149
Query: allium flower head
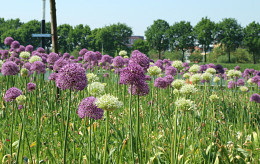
column 12, row 93
column 96, row 89
column 177, row 84
column 106, row 59
column 255, row 97
column 24, row 72
column 52, row 76
column 40, row 50
column 34, row 59
column 206, row 76
column 148, row 78
column 213, row 98
column 194, row 68
column 15, row 44
column 20, row 99
column 82, row 51
column 8, row 41
column 72, row 76
column 240, row 82
column 154, row 70
column 188, row 89
column 92, row 77
column 66, row 55
column 160, row 83
column 1, row 63
column 237, row 68
column 219, row 69
column 176, row 91
column 141, row 90
column 196, row 78
column 185, row 104
column 88, row 108
column 177, row 64
column 140, row 58
column 9, row 68
column 249, row 81
column 186, row 75
column 169, row 79
column 203, row 68
column 25, row 55
column 60, row 63
column 118, row 62
column 38, row 67
column 52, row 58
column 90, row 56
column 98, row 55
column 211, row 70
column 108, row 102
column 255, row 79
column 31, row 87
column 243, row 88
column 216, row 79
column 171, row 71
column 231, row 84
column 29, row 48
column 123, row 53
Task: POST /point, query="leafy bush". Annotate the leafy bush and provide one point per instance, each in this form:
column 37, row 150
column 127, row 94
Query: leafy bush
column 242, row 56
column 196, row 57
column 173, row 55
column 224, row 59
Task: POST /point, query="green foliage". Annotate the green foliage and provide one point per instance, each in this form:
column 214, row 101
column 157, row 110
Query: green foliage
column 173, row 55
column 196, row 57
column 156, row 35
column 242, row 56
column 141, row 45
column 64, row 38
column 225, row 59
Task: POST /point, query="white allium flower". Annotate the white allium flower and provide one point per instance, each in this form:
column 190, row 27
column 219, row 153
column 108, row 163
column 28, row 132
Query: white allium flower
column 211, row 70
column 206, row 76
column 194, row 68
column 34, row 59
column 20, row 99
column 154, row 70
column 238, row 73
column 108, row 102
column 177, row 64
column 92, row 77
column 243, row 88
column 188, row 89
column 1, row 63
column 196, row 78
column 25, row 55
column 185, row 104
column 213, row 98
column 177, row 84
column 123, row 53
column 96, row 89
column 216, row 79
column 126, row 57
column 234, row 73
column 249, row 81
column 176, row 91
column 186, row 75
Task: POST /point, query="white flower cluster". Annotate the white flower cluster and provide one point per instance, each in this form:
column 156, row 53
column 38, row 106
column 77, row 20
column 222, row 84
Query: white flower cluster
column 196, row 78
column 234, row 73
column 96, row 89
column 108, row 102
column 185, row 104
column 216, row 79
column 243, row 88
column 123, row 53
column 206, row 76
column 177, row 84
column 211, row 70
column 213, row 98
column 188, row 89
column 92, row 77
column 177, row 64
column 186, row 75
column 1, row 63
column 20, row 99
column 34, row 59
column 25, row 55
column 154, row 70
column 194, row 68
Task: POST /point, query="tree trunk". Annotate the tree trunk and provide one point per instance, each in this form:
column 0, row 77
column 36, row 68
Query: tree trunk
column 54, row 36
column 205, row 58
column 229, row 61
column 159, row 53
column 182, row 55
column 254, row 58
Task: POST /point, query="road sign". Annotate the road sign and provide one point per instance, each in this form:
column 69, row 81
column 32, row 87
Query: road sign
column 41, row 35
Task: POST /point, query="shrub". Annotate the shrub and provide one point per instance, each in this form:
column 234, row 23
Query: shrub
column 196, row 57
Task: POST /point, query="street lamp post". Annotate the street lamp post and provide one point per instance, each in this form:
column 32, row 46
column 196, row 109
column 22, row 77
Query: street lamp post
column 43, row 24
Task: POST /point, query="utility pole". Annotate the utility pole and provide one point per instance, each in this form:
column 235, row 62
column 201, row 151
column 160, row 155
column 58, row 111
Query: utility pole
column 43, row 23
column 54, row 35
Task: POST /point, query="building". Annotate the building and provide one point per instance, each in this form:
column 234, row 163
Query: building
column 132, row 39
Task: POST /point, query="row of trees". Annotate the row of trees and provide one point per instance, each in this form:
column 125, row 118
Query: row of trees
column 182, row 36
column 160, row 36
column 111, row 38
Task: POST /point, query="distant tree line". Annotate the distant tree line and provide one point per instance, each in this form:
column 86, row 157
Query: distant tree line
column 160, row 36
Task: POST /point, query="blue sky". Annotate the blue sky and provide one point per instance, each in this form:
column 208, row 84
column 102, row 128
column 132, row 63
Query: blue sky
column 138, row 14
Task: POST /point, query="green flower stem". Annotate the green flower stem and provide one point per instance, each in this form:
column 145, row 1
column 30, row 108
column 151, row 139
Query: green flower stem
column 106, row 137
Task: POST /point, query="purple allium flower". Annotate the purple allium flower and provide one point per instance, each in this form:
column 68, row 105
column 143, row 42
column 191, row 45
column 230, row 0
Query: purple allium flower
column 29, row 48
column 52, row 76
column 106, row 75
column 211, row 65
column 169, row 79
column 98, row 55
column 21, row 48
column 251, row 70
column 255, row 79
column 118, row 62
column 126, row 61
column 240, row 82
column 87, row 108
column 40, row 50
column 15, row 44
column 160, row 83
column 9, row 68
column 148, row 78
column 159, row 63
column 71, row 76
column 12, row 93
column 171, row 71
column 8, row 41
column 20, row 107
column 132, row 74
column 4, row 54
column 72, row 57
column 140, row 90
column 60, row 63
column 82, row 51
column 203, row 68
column 255, row 97
column 27, row 65
column 52, row 58
column 31, row 87
column 231, row 84
column 80, row 58
column 219, row 69
column 44, row 59
column 185, row 64
column 258, row 74
column 90, row 56
column 38, row 67
column 17, row 61
column 237, row 68
column 66, row 55
column 106, row 59
column 140, row 58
